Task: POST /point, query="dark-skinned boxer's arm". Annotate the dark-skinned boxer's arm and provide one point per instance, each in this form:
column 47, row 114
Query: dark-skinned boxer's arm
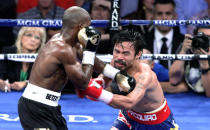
column 89, row 37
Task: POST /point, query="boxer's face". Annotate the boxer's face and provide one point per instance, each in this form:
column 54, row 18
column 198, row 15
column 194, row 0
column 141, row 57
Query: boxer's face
column 123, row 55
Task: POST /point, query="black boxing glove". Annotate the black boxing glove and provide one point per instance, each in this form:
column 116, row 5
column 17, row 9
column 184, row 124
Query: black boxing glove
column 115, row 89
column 89, row 38
column 124, row 82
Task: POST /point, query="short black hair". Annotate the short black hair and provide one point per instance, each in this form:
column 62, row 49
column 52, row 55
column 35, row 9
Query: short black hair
column 165, row 2
column 130, row 36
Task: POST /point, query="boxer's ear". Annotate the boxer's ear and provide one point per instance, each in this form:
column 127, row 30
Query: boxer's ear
column 138, row 55
column 81, row 26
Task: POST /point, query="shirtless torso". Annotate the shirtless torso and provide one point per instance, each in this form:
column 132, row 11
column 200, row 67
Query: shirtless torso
column 146, row 96
column 60, row 60
column 48, row 71
column 145, row 107
column 153, row 95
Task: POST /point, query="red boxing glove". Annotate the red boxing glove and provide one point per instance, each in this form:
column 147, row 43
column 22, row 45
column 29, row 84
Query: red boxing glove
column 101, row 82
column 94, row 88
column 93, row 99
column 95, row 91
column 98, row 83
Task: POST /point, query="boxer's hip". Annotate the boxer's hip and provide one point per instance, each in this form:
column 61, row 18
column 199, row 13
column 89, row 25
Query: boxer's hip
column 41, row 95
column 150, row 118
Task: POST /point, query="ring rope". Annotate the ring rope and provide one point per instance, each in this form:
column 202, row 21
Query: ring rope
column 103, row 23
column 99, row 23
column 107, row 58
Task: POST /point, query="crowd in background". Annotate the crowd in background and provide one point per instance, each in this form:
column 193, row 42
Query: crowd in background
column 175, row 76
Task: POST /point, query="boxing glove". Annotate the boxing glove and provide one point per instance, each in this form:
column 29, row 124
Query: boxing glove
column 99, row 83
column 125, row 83
column 90, row 38
column 115, row 88
column 95, row 91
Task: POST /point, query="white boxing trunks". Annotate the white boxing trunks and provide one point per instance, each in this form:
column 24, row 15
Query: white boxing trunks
column 41, row 95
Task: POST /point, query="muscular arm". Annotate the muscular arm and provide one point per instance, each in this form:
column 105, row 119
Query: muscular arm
column 99, row 65
column 143, row 81
column 77, row 73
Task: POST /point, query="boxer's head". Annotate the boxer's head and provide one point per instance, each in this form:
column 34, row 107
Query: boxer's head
column 74, row 19
column 128, row 48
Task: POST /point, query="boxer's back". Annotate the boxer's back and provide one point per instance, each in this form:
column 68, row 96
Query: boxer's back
column 48, row 71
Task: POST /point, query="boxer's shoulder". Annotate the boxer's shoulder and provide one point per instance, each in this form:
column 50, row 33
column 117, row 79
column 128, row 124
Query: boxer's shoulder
column 141, row 68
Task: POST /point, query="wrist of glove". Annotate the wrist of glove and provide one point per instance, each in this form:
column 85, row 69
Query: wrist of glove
column 88, row 57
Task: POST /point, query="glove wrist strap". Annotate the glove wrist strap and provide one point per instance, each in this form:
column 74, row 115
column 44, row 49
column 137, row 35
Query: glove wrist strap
column 88, row 57
column 106, row 96
column 110, row 72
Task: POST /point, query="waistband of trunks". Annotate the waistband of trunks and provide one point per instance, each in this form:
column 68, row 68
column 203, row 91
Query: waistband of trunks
column 41, row 95
column 151, row 118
